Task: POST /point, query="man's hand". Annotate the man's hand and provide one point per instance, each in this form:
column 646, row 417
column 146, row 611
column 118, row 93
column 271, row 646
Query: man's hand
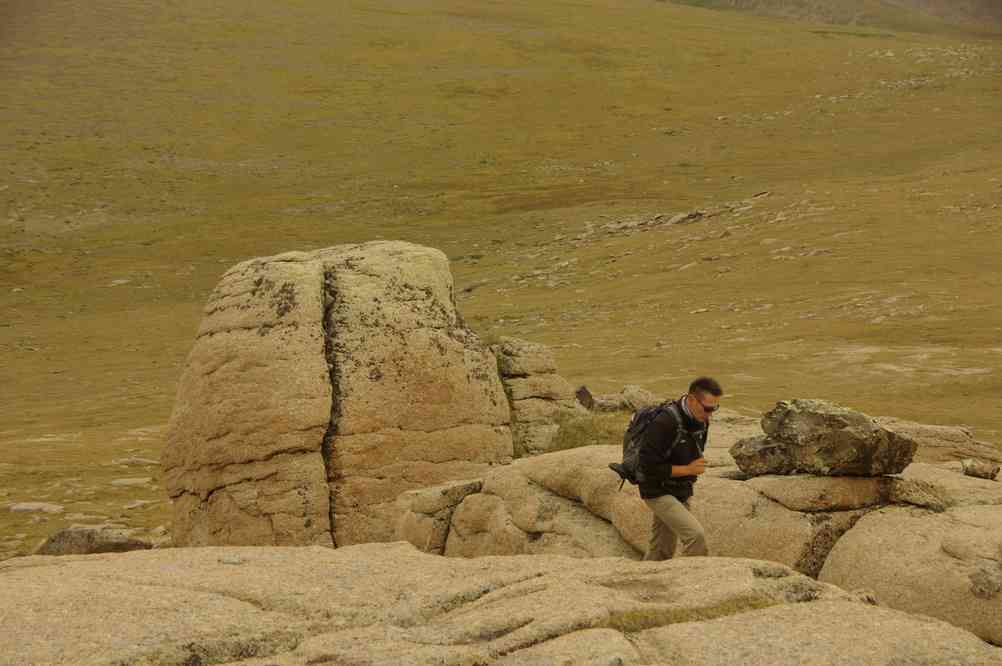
column 697, row 467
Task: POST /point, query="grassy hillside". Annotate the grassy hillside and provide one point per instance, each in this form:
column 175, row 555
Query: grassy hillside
column 148, row 147
column 934, row 16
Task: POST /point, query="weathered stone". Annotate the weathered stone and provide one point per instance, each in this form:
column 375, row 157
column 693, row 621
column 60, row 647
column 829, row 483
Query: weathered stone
column 938, row 488
column 636, row 397
column 939, row 443
column 818, row 437
column 815, row 634
column 425, row 514
column 518, row 358
column 584, row 397
column 823, row 493
column 945, row 565
column 320, row 386
column 981, row 469
column 534, row 438
column 514, row 515
column 739, row 521
column 536, row 410
column 85, row 539
column 548, row 387
column 387, row 604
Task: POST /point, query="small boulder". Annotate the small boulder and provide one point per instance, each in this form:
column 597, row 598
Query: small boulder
column 819, row 437
column 981, row 469
column 88, row 539
column 635, row 397
column 521, row 358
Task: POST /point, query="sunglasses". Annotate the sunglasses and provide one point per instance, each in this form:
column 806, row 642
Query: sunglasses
column 709, row 409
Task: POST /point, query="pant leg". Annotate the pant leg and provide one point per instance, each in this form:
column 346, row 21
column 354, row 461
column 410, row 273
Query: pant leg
column 676, row 518
column 663, row 541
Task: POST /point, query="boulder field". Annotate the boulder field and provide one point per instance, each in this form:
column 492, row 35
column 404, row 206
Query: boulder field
column 845, row 530
column 389, row 604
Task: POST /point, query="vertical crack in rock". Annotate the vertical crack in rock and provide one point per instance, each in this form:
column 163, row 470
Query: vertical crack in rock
column 327, row 446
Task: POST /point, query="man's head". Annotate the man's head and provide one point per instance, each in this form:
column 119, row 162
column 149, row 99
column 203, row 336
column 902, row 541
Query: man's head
column 704, row 397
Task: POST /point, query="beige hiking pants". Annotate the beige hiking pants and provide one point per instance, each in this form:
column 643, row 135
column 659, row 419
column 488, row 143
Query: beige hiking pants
column 673, row 522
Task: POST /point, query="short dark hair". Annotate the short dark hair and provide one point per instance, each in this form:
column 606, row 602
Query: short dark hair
column 706, row 385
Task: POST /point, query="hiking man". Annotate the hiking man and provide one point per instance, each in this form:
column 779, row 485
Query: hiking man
column 668, row 473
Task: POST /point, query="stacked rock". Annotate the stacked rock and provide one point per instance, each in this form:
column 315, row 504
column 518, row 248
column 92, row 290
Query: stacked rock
column 538, row 396
column 822, row 438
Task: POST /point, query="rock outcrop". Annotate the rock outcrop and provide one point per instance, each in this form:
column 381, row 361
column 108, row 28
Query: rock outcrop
column 539, row 397
column 818, row 437
column 320, row 386
column 946, row 565
column 569, row 503
column 387, row 604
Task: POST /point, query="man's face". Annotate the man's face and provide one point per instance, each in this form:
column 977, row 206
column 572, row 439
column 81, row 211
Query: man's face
column 705, row 404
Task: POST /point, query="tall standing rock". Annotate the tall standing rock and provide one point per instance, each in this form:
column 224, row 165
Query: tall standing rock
column 320, row 386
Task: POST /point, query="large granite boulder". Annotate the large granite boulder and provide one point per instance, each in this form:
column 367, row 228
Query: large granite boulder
column 322, row 384
column 819, row 437
column 946, row 565
column 387, row 604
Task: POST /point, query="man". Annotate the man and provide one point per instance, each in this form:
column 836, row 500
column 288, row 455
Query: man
column 668, row 475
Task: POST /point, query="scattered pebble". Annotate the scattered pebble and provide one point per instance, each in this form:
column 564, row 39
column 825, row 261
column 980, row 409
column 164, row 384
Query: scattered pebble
column 44, row 507
column 132, row 482
column 120, row 282
column 135, row 460
column 135, row 504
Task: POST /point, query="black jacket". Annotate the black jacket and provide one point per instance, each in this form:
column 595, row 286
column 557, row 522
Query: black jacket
column 656, row 462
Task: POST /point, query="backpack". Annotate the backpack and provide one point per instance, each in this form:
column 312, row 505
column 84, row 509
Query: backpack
column 629, row 469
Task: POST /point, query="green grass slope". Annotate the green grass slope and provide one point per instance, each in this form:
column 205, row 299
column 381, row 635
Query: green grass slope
column 149, row 146
column 931, row 16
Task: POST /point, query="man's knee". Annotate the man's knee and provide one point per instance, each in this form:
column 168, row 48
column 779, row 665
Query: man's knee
column 695, row 542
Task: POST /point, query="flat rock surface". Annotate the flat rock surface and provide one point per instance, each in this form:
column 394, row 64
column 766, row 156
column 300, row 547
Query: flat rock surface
column 940, row 443
column 823, row 493
column 389, row 604
column 937, row 487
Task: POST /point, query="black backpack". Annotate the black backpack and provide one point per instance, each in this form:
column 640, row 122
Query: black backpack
column 629, row 469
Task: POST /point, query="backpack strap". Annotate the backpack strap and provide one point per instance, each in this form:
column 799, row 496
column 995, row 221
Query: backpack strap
column 673, row 409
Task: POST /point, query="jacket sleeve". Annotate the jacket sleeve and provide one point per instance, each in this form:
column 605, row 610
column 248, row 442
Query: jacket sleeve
column 654, row 464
